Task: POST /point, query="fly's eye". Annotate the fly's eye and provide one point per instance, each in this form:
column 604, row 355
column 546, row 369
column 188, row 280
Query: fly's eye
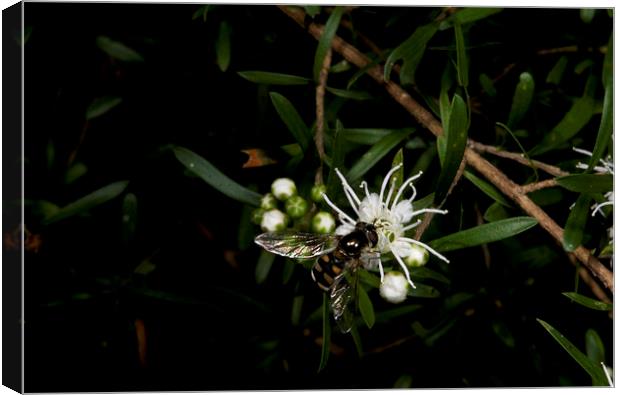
column 373, row 238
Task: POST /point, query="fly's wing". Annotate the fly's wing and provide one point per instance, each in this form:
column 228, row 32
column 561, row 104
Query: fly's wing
column 297, row 245
column 341, row 296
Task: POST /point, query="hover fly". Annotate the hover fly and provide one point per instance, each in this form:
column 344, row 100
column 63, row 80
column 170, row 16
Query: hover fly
column 339, row 257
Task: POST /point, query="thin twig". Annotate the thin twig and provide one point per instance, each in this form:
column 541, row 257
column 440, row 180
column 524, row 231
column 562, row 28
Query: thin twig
column 535, row 186
column 588, row 280
column 570, row 49
column 550, row 169
column 485, row 247
column 428, row 120
column 320, row 115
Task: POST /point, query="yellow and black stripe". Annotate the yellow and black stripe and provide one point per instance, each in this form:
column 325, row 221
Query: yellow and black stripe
column 325, row 270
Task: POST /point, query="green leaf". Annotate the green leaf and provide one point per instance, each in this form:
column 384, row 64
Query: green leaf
column 468, row 15
column 605, row 128
column 118, row 50
column 488, row 189
column 76, row 171
column 404, row 381
column 247, row 230
column 130, row 217
column 594, row 347
column 263, row 266
column 425, row 159
column 312, row 10
column 269, row 78
column 504, row 333
column 288, row 270
column 375, row 153
column 341, row 67
column 291, row 119
column 455, row 140
column 587, row 14
column 366, row 309
column 325, row 42
column 390, row 314
column 212, row 176
column 546, row 197
column 583, row 66
column 524, row 92
column 326, row 333
column 426, row 273
column 333, row 182
column 102, row 105
column 483, row 234
column 202, row 12
column 608, row 63
column 495, row 212
column 399, row 176
column 347, row 94
column 587, row 183
column 595, row 371
column 555, row 75
column 222, row 46
column 411, row 52
column 298, row 302
column 423, row 291
column 576, row 222
column 588, row 302
column 575, row 119
column 462, row 69
column 487, row 85
column 370, row 136
column 525, row 154
column 88, row 202
column 357, row 340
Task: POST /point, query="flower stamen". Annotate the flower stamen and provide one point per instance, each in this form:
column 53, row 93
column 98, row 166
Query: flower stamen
column 341, row 214
column 403, row 266
column 432, row 251
column 402, row 188
column 387, row 179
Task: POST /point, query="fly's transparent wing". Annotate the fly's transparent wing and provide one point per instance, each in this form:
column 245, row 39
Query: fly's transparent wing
column 341, row 296
column 297, row 245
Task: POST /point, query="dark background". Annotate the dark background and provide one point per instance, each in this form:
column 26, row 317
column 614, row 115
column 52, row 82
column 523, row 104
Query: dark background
column 208, row 325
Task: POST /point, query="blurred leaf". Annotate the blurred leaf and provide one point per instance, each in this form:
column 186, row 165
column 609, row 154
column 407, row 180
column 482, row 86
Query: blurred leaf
column 326, row 333
column 546, row 197
column 370, row 136
column 341, row 67
column 411, row 52
column 495, row 212
column 488, row 189
column 375, row 153
column 288, row 270
column 404, row 381
column 595, row 371
column 588, row 302
column 76, row 171
column 312, row 10
column 524, row 92
column 605, row 129
column 325, row 42
column 269, row 78
column 587, row 183
column 291, row 119
column 399, row 176
column 456, row 140
column 202, row 12
column 347, row 94
column 389, row 314
column 423, row 291
column 468, row 15
column 222, row 45
column 130, row 217
column 487, row 85
column 333, row 182
column 556, row 73
column 298, row 302
column 504, row 333
column 483, row 234
column 426, row 273
column 462, row 69
column 145, row 267
column 587, row 14
column 357, row 340
column 575, row 119
column 88, row 202
column 246, row 233
column 366, row 309
column 425, row 159
column 608, row 63
column 212, row 176
column 118, row 50
column 583, row 66
column 263, row 266
column 594, row 347
column 102, row 105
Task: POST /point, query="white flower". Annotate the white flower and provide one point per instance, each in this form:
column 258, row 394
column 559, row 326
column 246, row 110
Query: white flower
column 607, row 167
column 273, row 221
column 391, row 216
column 394, row 287
column 323, row 222
column 283, row 188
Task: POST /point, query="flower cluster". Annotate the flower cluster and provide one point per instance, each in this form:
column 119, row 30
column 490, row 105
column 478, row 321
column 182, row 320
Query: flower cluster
column 392, row 215
column 606, row 167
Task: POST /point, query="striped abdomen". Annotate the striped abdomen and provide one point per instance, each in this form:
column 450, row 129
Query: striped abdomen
column 326, row 270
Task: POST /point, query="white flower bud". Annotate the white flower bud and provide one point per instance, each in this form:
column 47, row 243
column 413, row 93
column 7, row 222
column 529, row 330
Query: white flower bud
column 257, row 216
column 394, row 287
column 323, row 222
column 296, row 207
column 274, row 220
column 316, row 194
column 268, row 202
column 418, row 256
column 283, row 188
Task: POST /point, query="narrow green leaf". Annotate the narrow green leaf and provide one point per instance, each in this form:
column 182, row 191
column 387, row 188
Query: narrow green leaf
column 555, row 75
column 524, row 92
column 88, row 202
column 291, row 119
column 247, row 230
column 399, row 176
column 326, row 333
column 594, row 347
column 503, row 332
column 404, row 381
column 390, row 314
column 363, row 71
column 102, row 105
column 130, row 217
column 605, row 128
column 269, row 78
column 426, row 273
column 375, row 153
column 588, row 302
column 76, row 171
column 596, row 372
column 347, row 94
column 288, row 270
column 118, row 50
column 468, row 15
column 341, row 67
column 483, row 234
column 312, row 10
column 456, row 140
column 525, row 154
column 608, row 63
column 423, row 291
column 462, row 68
column 263, row 266
column 495, row 212
column 333, row 182
column 202, row 12
column 488, row 189
column 370, row 136
column 222, row 45
column 583, row 66
column 212, row 176
column 298, row 302
column 425, row 159
column 325, row 42
column 357, row 340
column 366, row 309
column 587, row 183
column 411, row 52
column 576, row 222
column 487, row 85
column 587, row 14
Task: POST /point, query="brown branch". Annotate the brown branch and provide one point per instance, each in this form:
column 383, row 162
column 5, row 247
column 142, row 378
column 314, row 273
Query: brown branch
column 588, row 280
column 320, row 114
column 553, row 170
column 485, row 247
column 535, row 186
column 426, row 119
column 570, row 49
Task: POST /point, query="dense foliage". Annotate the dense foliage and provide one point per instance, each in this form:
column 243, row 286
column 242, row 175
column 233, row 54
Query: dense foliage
column 153, row 132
